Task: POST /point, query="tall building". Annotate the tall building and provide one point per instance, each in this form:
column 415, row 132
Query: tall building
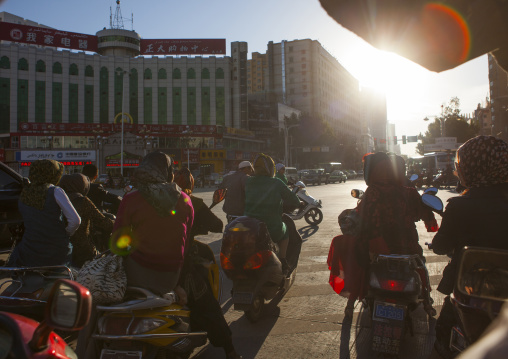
column 375, row 120
column 498, row 82
column 192, row 107
column 256, row 73
column 482, row 116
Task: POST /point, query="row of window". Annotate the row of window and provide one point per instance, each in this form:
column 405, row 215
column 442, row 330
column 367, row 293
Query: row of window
column 40, row 66
column 119, row 38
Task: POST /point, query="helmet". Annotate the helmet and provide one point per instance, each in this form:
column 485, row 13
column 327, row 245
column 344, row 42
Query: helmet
column 300, row 184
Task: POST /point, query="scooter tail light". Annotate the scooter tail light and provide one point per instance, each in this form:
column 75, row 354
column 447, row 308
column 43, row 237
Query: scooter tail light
column 257, row 260
column 398, row 285
column 225, row 262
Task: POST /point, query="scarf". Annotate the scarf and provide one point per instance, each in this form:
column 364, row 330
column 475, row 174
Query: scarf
column 185, row 180
column 42, row 174
column 264, row 165
column 75, row 185
column 153, row 179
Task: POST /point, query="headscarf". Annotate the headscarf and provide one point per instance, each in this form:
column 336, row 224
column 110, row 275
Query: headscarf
column 42, row 174
column 185, row 180
column 399, row 169
column 75, row 185
column 279, row 166
column 264, row 165
column 483, row 161
column 378, row 169
column 153, row 179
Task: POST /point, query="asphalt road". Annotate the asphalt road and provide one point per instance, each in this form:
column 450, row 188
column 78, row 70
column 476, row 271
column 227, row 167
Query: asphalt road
column 309, row 320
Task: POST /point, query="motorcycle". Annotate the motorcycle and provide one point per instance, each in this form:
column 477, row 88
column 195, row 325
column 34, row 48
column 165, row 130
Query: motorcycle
column 445, row 180
column 480, row 291
column 249, row 258
column 396, row 290
column 67, row 309
column 311, row 211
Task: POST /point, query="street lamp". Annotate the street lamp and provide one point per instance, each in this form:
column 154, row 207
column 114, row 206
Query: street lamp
column 286, row 144
column 188, row 131
column 122, row 72
column 441, row 121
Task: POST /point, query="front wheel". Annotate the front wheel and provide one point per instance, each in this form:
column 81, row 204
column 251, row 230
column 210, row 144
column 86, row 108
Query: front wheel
column 314, row 216
column 256, row 310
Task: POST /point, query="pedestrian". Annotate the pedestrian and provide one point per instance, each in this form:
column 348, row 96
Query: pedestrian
column 98, row 194
column 206, row 312
column 49, row 219
column 84, row 247
column 234, row 203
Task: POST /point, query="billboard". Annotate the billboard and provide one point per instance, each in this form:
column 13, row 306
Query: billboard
column 47, row 37
column 183, row 47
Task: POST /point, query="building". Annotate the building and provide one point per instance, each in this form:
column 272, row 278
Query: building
column 498, row 82
column 257, row 76
column 482, row 116
column 71, row 105
column 375, row 133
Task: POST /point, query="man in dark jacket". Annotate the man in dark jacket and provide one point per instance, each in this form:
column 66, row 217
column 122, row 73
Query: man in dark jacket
column 97, row 194
column 234, row 202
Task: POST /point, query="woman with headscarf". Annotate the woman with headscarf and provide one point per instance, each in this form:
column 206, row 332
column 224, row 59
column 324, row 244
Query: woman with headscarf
column 476, row 218
column 76, row 187
column 264, row 199
column 158, row 216
column 45, row 209
column 206, row 312
column 281, row 173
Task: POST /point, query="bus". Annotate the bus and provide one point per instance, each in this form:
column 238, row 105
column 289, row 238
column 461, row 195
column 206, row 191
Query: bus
column 433, row 161
column 329, row 167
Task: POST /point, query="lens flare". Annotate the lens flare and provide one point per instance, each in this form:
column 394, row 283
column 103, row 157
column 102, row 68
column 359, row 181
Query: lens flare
column 447, row 32
column 123, row 242
column 173, row 212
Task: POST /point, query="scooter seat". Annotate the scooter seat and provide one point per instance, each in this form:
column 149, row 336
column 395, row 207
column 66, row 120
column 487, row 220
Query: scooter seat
column 143, row 300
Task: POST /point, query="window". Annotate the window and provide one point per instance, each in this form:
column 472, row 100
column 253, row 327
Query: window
column 177, row 74
column 23, row 64
column 148, row 74
column 162, row 75
column 219, row 74
column 291, row 70
column 57, row 68
column 5, row 63
column 205, row 74
column 291, row 59
column 89, row 71
column 40, row 66
column 304, row 66
column 303, row 58
column 191, row 74
column 303, row 51
column 290, row 48
column 73, row 70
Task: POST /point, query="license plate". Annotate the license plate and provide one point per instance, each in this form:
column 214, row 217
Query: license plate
column 242, row 297
column 388, row 311
column 120, row 354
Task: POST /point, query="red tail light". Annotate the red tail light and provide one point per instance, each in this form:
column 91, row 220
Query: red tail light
column 257, row 260
column 225, row 263
column 393, row 285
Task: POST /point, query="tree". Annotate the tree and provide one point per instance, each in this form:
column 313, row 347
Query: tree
column 454, row 126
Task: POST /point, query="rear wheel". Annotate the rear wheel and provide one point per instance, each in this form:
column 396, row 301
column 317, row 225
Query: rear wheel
column 256, row 310
column 314, row 216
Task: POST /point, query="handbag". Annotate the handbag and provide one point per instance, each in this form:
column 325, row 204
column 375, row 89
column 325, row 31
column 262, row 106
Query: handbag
column 105, row 278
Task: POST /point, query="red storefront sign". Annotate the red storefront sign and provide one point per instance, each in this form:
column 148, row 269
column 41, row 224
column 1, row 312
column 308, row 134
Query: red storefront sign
column 97, row 128
column 47, row 37
column 183, row 46
column 65, row 163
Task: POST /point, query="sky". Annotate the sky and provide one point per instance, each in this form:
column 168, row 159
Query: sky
column 413, row 92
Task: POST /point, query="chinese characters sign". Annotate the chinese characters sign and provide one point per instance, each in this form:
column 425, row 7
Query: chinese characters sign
column 72, row 155
column 47, row 37
column 183, row 47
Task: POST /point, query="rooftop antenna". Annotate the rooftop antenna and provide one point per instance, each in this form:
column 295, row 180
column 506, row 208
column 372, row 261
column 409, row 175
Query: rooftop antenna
column 117, row 20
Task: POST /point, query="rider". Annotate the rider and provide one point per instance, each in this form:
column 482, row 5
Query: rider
column 97, row 194
column 206, row 312
column 264, row 197
column 160, row 217
column 476, row 218
column 49, row 218
column 76, row 187
column 234, row 203
column 388, row 212
column 280, row 173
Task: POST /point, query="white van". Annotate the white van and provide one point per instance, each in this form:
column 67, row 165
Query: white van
column 291, row 174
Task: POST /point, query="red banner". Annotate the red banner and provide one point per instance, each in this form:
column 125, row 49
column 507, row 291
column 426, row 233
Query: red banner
column 183, row 46
column 99, row 128
column 47, row 37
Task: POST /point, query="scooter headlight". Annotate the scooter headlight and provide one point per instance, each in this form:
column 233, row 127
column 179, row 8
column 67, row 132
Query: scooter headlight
column 146, row 325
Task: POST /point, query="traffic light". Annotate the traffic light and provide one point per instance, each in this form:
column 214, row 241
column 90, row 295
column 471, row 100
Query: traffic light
column 395, row 140
column 404, row 139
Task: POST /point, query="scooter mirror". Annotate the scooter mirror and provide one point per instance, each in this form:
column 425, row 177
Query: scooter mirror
column 431, row 190
column 433, row 202
column 357, row 193
column 127, row 188
column 413, row 177
column 218, row 196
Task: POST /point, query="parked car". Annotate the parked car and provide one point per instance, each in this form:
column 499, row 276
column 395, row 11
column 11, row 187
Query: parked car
column 302, row 173
column 11, row 184
column 337, row 176
column 315, row 176
column 351, row 174
column 292, row 174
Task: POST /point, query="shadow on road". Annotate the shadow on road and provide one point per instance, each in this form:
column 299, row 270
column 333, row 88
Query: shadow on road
column 308, row 231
